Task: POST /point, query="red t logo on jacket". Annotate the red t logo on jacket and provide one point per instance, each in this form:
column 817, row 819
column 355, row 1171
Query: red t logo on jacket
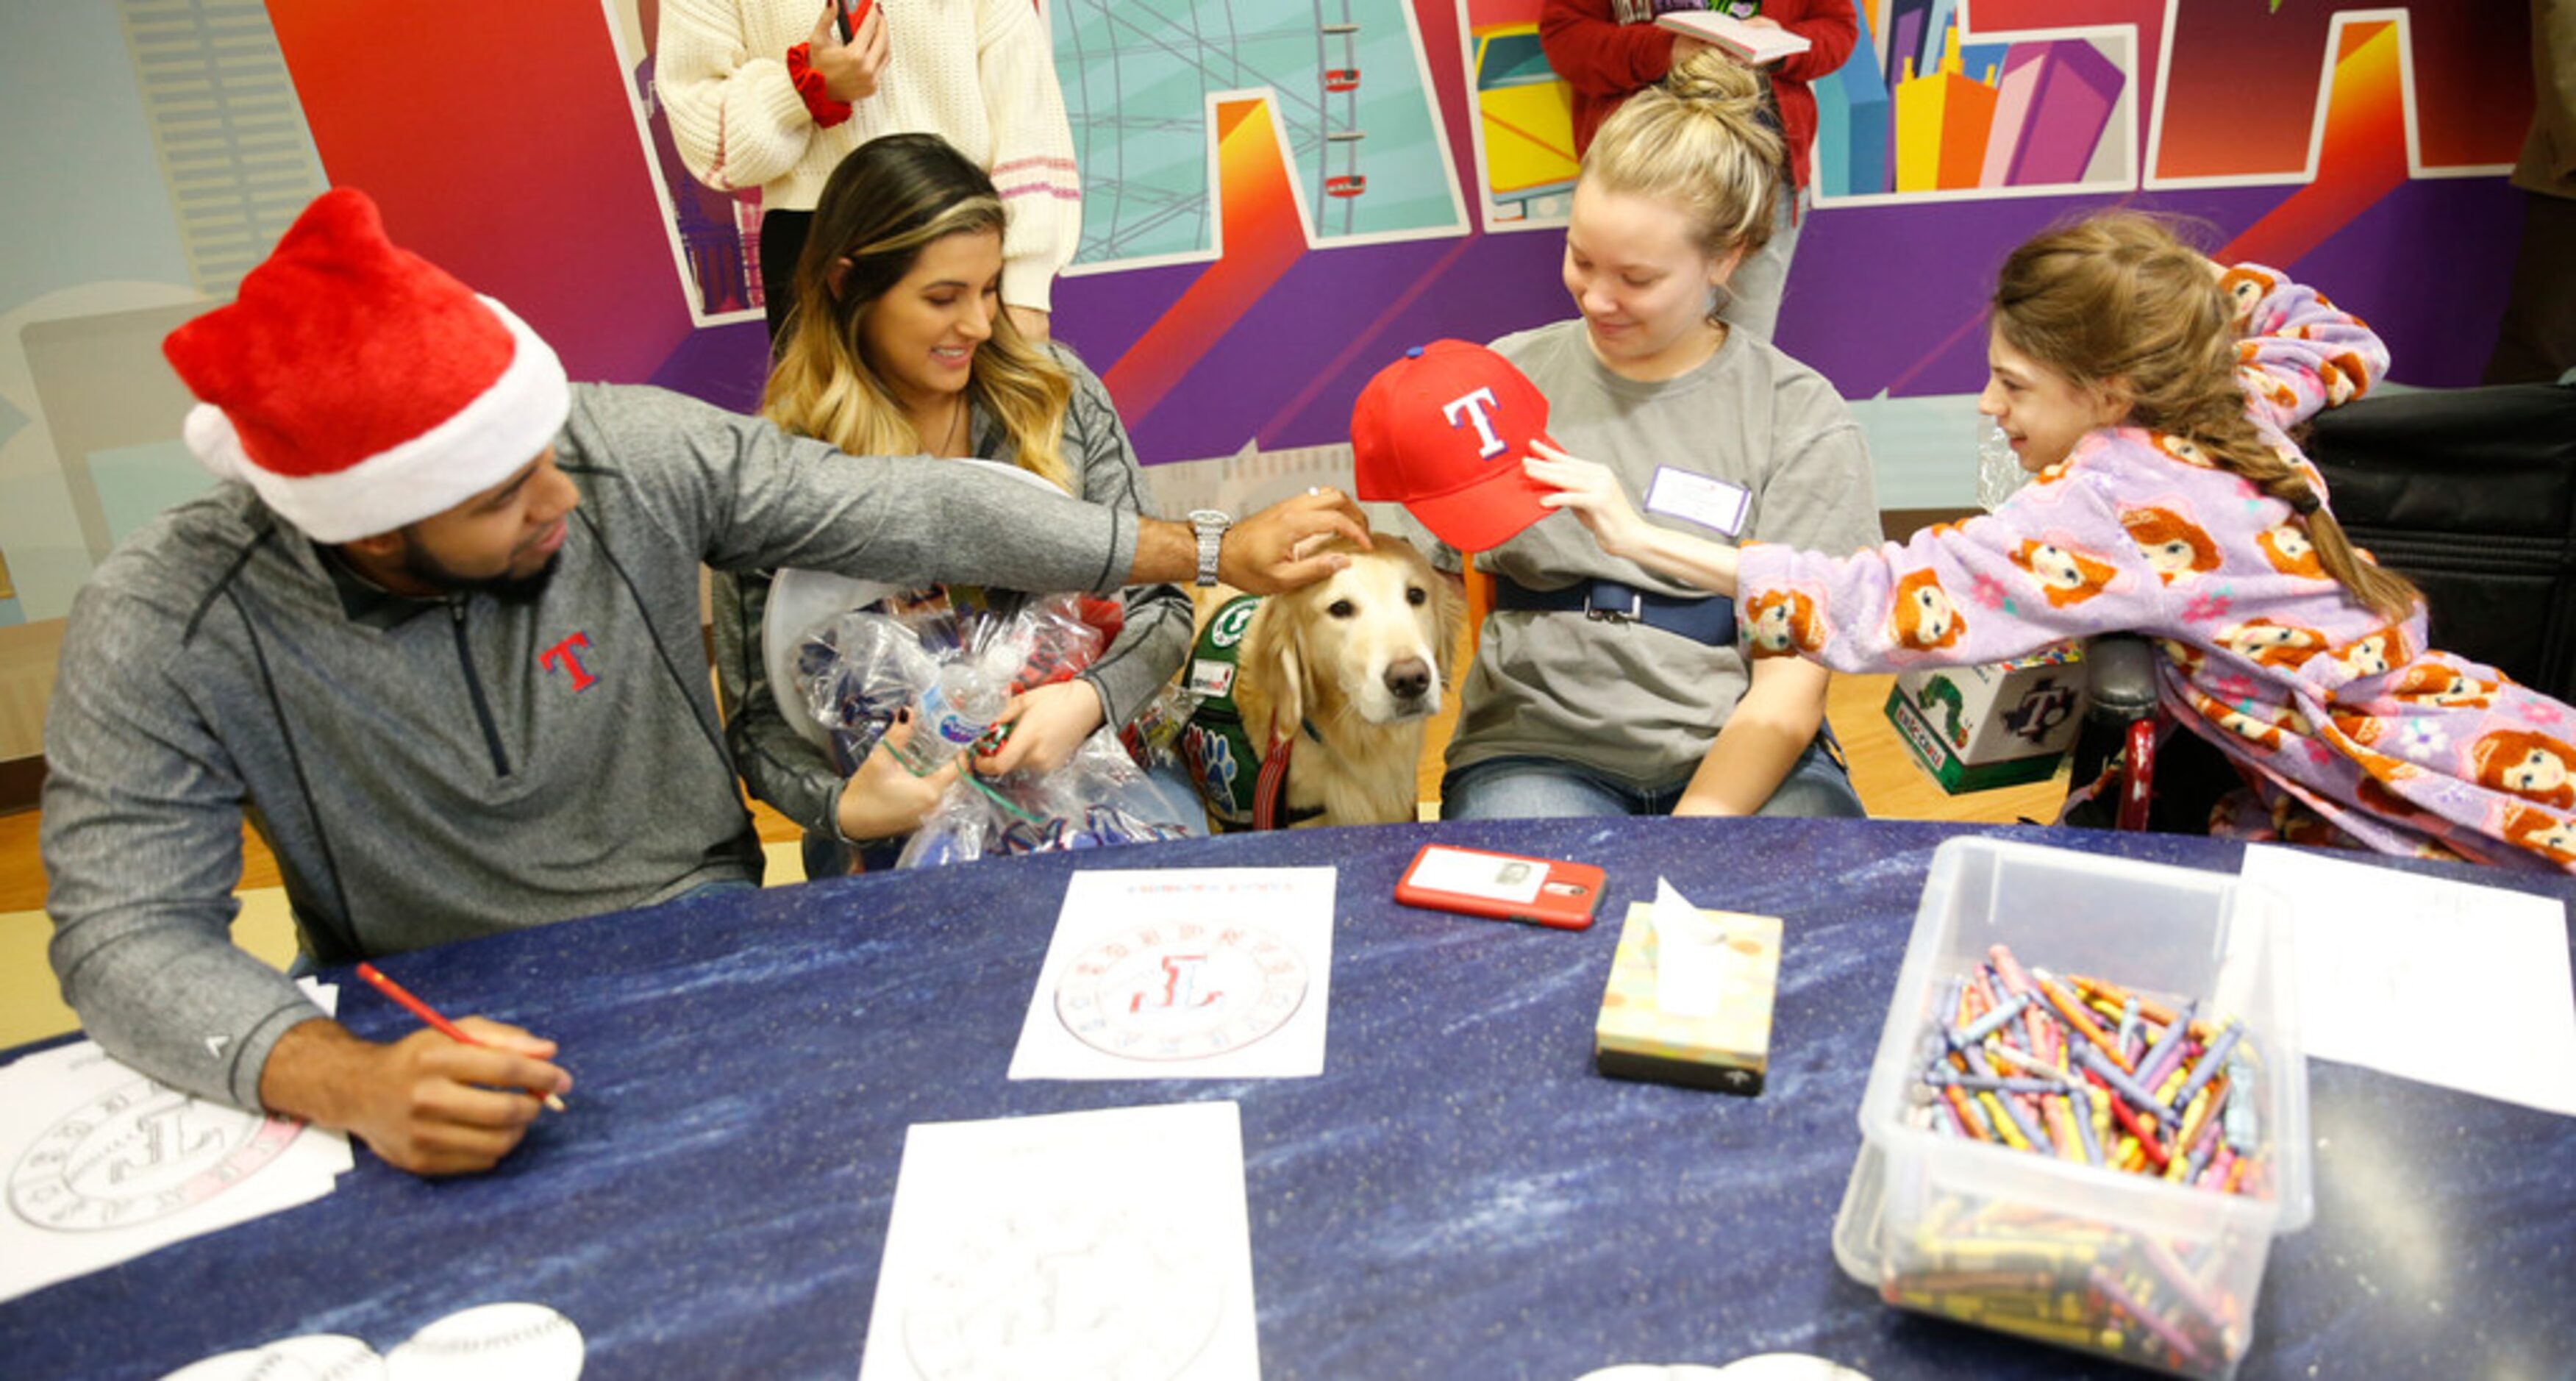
column 562, row 656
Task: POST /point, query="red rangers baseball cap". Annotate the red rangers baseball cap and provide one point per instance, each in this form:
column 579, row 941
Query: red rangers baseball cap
column 1442, row 431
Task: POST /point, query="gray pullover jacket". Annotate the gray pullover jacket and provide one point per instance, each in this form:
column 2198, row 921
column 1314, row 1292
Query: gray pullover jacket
column 433, row 770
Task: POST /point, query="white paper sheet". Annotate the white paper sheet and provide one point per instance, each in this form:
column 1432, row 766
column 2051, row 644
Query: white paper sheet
column 1754, row 45
column 103, row 1164
column 1206, row 973
column 2443, row 982
column 1112, row 1243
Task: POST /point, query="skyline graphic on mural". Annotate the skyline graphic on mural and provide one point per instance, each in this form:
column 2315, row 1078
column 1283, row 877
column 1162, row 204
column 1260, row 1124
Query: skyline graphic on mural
column 1918, row 109
column 225, row 122
column 89, row 412
column 1345, row 78
column 714, row 236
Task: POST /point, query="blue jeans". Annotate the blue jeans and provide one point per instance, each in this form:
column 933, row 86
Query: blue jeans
column 1525, row 788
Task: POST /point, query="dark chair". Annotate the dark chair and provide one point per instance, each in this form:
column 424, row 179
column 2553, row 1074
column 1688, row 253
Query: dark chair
column 2470, row 493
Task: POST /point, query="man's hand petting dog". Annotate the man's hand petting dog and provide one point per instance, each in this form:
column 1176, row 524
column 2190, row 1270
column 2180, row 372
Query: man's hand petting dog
column 1274, row 549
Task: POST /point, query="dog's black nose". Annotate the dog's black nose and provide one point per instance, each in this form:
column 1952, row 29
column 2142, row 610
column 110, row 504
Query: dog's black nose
column 1409, row 678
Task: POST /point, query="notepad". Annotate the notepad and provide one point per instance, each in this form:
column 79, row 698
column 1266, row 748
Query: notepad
column 1746, row 41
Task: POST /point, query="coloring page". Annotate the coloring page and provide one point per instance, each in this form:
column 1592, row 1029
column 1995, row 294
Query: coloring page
column 103, row 1164
column 1098, row 1244
column 1209, row 973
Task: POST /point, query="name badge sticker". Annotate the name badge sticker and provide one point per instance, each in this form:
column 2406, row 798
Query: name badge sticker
column 1711, row 503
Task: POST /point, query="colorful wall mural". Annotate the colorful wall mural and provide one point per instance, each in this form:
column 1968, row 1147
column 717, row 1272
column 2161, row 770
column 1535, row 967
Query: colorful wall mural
column 1350, row 106
column 1280, row 195
column 715, row 236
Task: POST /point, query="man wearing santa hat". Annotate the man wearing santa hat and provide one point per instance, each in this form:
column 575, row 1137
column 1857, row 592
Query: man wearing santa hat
column 441, row 641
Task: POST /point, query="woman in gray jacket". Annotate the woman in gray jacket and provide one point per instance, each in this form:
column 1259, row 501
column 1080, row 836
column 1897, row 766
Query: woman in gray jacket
column 897, row 345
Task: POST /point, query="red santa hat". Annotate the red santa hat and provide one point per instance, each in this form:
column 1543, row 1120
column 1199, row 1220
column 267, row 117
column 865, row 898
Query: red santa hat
column 357, row 387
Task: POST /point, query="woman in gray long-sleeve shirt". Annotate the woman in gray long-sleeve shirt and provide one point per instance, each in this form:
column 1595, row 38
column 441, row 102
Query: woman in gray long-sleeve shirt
column 897, row 346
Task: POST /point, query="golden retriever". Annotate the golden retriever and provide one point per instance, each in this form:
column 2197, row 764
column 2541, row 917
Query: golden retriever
column 1352, row 668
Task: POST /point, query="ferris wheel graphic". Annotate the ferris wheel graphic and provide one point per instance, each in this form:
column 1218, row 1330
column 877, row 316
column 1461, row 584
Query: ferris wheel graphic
column 1346, row 84
column 1342, row 132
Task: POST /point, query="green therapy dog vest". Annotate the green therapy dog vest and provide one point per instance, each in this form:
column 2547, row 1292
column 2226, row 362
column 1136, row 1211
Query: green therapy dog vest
column 1244, row 784
column 1223, row 759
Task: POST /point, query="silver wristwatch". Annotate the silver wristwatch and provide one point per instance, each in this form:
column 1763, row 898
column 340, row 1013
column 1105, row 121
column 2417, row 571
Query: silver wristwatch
column 1210, row 525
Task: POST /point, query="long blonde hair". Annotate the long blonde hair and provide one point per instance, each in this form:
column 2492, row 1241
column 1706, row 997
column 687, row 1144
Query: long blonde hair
column 1700, row 140
column 887, row 200
column 2117, row 301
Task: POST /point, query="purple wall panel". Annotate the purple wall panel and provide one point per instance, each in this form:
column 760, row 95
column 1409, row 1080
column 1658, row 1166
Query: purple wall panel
column 1882, row 298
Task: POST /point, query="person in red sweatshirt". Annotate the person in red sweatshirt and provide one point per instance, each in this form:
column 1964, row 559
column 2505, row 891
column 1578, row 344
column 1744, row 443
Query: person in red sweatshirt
column 1608, row 50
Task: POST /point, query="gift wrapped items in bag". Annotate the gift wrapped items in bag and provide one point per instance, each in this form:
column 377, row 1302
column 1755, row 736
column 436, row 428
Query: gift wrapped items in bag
column 956, row 661
column 1100, row 798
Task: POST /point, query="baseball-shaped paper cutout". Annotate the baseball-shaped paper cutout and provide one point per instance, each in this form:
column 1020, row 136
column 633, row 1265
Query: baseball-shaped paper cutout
column 1768, row 1366
column 306, row 1357
column 524, row 1342
column 1787, row 1366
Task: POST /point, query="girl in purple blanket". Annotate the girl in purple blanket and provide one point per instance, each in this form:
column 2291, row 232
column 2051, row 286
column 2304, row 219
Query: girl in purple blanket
column 2147, row 392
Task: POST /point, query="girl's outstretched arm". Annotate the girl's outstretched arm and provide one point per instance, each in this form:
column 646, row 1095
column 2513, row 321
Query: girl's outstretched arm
column 1592, row 493
column 2297, row 353
column 2055, row 562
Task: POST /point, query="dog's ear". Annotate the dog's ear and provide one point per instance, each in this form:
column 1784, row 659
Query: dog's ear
column 1449, row 602
column 1270, row 682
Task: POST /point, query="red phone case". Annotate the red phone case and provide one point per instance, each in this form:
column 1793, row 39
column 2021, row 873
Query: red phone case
column 1477, row 882
column 852, row 16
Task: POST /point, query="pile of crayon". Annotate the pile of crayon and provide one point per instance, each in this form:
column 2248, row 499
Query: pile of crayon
column 2086, row 1071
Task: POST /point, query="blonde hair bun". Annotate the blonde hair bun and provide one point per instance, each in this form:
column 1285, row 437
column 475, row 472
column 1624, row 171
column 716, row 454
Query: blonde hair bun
column 1701, row 141
column 1732, row 90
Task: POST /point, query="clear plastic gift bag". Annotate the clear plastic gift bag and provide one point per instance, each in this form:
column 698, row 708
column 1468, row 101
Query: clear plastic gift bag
column 854, row 671
column 1153, row 737
column 1098, row 799
column 1999, row 472
column 957, row 662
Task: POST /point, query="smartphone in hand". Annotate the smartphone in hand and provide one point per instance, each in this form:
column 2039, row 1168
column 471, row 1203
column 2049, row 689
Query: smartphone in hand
column 851, row 14
column 1504, row 887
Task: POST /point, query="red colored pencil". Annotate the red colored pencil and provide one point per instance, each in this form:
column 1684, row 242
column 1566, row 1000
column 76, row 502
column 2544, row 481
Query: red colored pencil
column 429, row 1015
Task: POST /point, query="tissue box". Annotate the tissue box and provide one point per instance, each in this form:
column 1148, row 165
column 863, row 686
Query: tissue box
column 1728, row 1048
column 2022, row 1242
column 1978, row 727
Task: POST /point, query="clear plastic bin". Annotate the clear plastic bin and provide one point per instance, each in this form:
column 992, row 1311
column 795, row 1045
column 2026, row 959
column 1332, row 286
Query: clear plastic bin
column 2051, row 1249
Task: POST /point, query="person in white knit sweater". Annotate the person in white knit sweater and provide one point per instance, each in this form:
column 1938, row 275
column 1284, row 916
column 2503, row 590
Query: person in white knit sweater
column 767, row 94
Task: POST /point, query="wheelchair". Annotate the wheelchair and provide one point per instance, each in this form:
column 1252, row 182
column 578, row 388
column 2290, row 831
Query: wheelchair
column 2470, row 493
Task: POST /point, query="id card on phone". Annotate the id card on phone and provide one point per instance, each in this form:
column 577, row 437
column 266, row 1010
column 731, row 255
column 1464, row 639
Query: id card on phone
column 1468, row 874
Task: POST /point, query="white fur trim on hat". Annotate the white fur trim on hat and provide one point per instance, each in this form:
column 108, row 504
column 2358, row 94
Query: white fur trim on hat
column 482, row 444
